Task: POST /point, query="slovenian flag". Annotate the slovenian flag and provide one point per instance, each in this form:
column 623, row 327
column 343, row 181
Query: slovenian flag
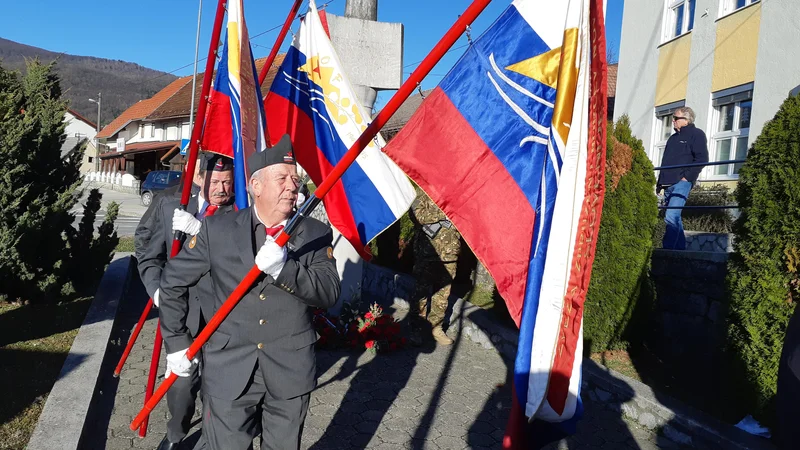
column 234, row 124
column 312, row 101
column 511, row 146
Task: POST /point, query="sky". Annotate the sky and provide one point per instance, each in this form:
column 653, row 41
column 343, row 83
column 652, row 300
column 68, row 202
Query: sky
column 160, row 34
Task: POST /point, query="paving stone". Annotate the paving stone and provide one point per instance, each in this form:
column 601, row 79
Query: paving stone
column 454, row 397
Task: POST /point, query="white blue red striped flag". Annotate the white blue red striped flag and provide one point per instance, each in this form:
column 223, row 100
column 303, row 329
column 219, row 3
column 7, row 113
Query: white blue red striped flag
column 312, row 100
column 234, row 124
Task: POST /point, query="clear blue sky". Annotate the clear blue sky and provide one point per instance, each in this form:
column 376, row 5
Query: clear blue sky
column 160, row 34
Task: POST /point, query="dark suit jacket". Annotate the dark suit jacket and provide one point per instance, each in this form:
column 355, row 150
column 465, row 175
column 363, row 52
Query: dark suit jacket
column 272, row 324
column 156, row 253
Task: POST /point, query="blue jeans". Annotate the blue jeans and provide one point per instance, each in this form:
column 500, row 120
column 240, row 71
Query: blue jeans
column 675, row 196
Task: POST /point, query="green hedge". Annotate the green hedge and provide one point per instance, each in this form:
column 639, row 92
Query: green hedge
column 763, row 268
column 620, row 274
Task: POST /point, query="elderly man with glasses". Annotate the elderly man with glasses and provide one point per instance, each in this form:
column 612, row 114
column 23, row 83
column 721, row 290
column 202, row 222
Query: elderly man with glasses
column 686, row 146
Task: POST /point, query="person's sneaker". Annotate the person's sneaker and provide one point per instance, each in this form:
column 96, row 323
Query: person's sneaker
column 440, row 336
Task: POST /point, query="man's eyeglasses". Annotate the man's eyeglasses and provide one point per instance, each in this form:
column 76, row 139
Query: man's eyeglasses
column 674, row 118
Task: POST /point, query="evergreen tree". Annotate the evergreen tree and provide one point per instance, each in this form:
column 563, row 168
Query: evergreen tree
column 763, row 271
column 37, row 187
column 620, row 273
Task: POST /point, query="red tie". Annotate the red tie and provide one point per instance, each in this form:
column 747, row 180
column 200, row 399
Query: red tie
column 210, row 210
column 274, row 230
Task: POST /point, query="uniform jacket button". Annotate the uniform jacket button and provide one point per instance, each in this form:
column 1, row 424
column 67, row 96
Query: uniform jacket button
column 262, row 322
column 260, row 345
column 262, row 297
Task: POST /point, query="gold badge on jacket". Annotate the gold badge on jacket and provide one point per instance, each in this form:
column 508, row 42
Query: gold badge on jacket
column 193, row 242
column 330, row 252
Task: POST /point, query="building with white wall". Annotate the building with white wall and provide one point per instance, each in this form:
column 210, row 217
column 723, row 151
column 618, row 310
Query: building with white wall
column 79, row 128
column 732, row 61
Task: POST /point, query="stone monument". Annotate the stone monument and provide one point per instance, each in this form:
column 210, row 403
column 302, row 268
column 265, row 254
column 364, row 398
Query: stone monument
column 371, row 54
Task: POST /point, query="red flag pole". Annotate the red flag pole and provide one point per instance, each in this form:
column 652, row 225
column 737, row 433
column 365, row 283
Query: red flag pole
column 194, row 145
column 278, row 42
column 366, row 137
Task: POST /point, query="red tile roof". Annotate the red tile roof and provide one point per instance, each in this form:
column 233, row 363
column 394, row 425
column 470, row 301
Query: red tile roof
column 612, row 80
column 142, row 108
column 179, row 104
column 82, row 119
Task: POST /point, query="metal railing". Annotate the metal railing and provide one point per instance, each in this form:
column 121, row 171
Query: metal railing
column 710, row 163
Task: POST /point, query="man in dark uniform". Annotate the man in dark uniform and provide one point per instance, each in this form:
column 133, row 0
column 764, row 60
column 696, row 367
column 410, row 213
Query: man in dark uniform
column 216, row 178
column 259, row 366
column 144, row 230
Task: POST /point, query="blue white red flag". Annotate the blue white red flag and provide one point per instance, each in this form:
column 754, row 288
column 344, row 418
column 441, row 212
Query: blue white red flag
column 518, row 128
column 234, row 124
column 312, row 100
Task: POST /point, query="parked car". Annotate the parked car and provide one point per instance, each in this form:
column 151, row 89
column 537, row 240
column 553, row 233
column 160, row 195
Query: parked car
column 156, row 181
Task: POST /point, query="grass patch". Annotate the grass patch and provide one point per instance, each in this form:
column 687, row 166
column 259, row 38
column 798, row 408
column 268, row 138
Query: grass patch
column 618, row 360
column 34, row 342
column 125, row 244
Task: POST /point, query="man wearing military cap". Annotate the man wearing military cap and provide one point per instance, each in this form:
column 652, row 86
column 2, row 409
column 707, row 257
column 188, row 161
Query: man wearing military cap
column 259, row 366
column 214, row 197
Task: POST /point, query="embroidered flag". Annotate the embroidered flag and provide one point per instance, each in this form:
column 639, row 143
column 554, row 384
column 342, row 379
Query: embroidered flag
column 312, row 100
column 234, row 124
column 511, row 146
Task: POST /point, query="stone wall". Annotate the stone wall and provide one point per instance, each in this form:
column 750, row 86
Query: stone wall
column 700, row 241
column 688, row 320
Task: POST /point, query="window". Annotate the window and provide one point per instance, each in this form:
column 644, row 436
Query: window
column 90, row 159
column 141, row 130
column 729, row 6
column 152, row 130
column 731, row 129
column 678, row 18
column 663, row 130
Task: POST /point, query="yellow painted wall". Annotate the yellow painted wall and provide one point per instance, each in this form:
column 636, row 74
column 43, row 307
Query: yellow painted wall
column 673, row 70
column 736, row 48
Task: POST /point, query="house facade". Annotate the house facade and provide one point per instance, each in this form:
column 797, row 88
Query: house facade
column 147, row 136
column 732, row 61
column 79, row 128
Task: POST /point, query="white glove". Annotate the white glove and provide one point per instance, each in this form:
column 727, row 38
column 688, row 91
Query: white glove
column 300, row 199
column 179, row 364
column 185, row 222
column 271, row 257
column 155, row 297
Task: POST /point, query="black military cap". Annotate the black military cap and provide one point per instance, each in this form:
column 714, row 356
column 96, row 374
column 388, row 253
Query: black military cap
column 281, row 153
column 213, row 162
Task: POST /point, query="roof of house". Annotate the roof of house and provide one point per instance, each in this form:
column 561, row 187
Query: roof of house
column 612, row 80
column 142, row 147
column 179, row 104
column 143, row 108
column 81, row 118
column 70, row 144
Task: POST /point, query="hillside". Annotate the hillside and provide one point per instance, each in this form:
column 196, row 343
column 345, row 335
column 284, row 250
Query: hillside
column 82, row 77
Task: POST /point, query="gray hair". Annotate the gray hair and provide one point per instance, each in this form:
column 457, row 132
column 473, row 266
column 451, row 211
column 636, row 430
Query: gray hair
column 259, row 174
column 686, row 112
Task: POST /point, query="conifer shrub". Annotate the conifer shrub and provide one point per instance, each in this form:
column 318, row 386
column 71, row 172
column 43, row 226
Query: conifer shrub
column 763, row 278
column 620, row 282
column 39, row 248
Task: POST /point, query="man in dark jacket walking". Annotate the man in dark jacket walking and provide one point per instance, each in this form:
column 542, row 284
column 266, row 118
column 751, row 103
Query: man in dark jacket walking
column 687, row 145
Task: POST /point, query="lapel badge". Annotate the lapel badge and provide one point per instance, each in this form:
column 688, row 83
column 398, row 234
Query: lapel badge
column 330, row 252
column 193, row 242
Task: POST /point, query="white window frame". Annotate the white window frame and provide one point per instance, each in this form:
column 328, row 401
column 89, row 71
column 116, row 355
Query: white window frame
column 727, row 7
column 738, row 95
column 670, row 17
column 658, row 146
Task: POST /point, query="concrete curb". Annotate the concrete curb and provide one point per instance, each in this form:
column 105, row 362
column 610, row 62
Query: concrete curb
column 633, row 399
column 61, row 423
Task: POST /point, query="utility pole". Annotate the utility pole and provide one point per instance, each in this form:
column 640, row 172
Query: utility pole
column 96, row 140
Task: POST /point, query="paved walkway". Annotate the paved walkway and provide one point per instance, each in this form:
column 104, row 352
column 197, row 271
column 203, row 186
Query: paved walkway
column 450, row 397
